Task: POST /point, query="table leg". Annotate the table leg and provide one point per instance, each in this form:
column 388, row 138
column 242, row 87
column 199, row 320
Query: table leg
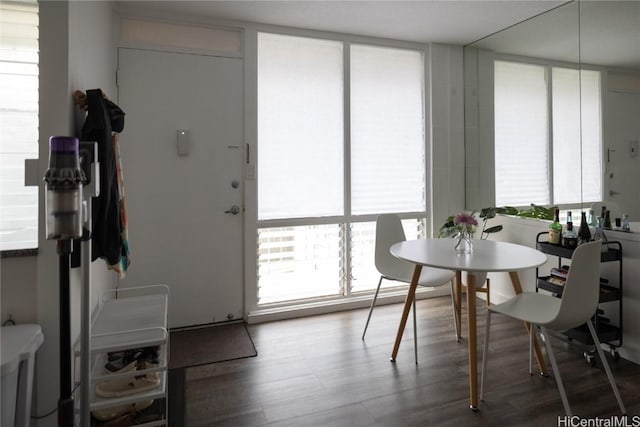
column 458, row 305
column 517, row 287
column 407, row 307
column 473, row 348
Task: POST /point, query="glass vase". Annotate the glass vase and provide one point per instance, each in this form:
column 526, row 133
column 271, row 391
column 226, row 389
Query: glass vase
column 463, row 243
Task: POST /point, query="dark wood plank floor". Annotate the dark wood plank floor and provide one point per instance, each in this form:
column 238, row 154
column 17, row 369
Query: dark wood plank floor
column 316, row 371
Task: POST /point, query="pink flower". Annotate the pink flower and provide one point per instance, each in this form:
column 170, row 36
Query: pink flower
column 465, row 219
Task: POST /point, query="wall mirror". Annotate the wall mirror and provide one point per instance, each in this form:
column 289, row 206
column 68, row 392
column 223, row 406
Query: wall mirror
column 552, row 110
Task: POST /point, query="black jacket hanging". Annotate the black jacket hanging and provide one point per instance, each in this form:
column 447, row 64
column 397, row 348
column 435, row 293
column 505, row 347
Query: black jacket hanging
column 103, row 117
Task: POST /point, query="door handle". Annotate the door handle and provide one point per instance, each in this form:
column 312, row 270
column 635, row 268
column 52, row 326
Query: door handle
column 234, row 210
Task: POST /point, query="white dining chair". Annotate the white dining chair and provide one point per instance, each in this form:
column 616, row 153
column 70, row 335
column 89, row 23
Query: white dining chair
column 576, row 307
column 389, row 231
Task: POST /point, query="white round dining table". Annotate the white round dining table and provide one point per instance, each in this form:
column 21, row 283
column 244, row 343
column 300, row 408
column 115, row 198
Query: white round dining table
column 486, row 256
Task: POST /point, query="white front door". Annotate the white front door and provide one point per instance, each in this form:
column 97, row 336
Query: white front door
column 177, row 194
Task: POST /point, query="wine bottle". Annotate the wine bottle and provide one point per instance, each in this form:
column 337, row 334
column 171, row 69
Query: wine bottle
column 555, row 228
column 607, row 220
column 569, row 237
column 584, row 233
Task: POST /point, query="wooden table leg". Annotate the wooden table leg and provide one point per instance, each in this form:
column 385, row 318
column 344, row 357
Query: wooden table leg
column 458, row 303
column 407, row 307
column 473, row 348
column 517, row 287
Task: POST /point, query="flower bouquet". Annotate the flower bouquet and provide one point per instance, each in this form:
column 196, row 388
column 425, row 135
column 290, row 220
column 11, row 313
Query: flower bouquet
column 461, row 227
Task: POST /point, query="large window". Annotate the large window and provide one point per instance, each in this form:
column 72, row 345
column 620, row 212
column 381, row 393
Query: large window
column 547, row 124
column 332, row 155
column 18, row 123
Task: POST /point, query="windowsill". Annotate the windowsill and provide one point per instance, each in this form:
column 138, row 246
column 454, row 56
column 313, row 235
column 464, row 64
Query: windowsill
column 18, row 253
column 260, row 315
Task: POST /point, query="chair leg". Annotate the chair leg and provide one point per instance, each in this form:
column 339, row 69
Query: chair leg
column 612, row 381
column 532, row 334
column 415, row 332
column 373, row 303
column 488, row 291
column 456, row 321
column 485, row 354
column 556, row 373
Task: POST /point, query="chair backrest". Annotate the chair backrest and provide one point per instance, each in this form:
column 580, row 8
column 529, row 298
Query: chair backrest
column 582, row 288
column 389, row 232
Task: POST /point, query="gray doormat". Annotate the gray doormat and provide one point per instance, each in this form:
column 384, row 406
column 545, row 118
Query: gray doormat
column 210, row 344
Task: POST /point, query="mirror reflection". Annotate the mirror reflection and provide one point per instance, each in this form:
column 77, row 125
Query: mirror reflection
column 552, row 110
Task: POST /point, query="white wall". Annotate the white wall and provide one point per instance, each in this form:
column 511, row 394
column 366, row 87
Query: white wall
column 18, row 291
column 446, row 129
column 621, row 126
column 77, row 51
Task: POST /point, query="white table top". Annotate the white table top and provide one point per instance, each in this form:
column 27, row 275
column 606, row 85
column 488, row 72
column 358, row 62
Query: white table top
column 487, row 255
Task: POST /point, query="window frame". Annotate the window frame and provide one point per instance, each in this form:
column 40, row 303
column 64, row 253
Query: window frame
column 31, row 10
column 549, row 65
column 347, row 218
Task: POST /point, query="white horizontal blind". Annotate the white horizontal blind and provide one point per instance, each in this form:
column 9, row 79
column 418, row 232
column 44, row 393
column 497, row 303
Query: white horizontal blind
column 565, row 102
column 577, row 135
column 591, row 110
column 387, row 133
column 521, row 138
column 300, row 127
column 18, row 123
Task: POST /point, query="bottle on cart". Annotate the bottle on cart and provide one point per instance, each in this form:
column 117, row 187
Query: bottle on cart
column 626, row 226
column 569, row 237
column 584, row 233
column 607, row 220
column 555, row 228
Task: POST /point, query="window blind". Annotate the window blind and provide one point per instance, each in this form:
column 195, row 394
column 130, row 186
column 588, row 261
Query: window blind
column 18, row 123
column 577, row 135
column 565, row 103
column 387, row 132
column 521, row 139
column 300, row 127
column 591, row 123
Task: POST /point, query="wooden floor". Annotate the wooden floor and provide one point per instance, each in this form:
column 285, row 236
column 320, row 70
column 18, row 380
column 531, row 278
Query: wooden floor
column 316, row 371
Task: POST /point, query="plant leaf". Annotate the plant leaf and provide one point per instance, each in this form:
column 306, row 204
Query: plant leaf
column 488, row 213
column 493, row 229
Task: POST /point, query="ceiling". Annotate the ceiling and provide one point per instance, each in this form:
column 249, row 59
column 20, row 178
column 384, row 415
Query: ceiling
column 444, row 21
column 605, row 33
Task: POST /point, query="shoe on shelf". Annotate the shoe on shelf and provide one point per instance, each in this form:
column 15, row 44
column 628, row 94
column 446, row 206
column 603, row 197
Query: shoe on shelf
column 117, row 360
column 117, row 412
column 130, row 385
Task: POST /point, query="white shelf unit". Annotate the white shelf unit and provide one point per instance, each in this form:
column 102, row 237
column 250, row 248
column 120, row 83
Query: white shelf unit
column 126, row 319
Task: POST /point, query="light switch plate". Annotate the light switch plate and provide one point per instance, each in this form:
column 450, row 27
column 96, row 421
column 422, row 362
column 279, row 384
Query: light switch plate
column 183, row 142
